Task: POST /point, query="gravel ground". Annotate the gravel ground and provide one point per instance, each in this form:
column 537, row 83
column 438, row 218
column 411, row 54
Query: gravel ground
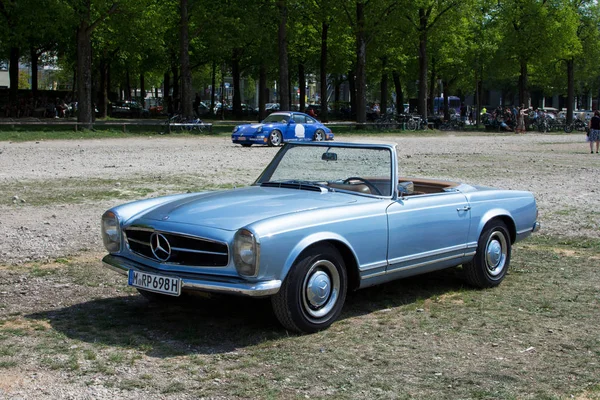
column 557, row 168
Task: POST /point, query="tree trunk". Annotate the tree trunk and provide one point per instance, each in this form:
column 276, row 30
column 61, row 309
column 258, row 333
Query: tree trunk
column 361, row 61
column 13, row 72
column 523, row 78
column 176, row 92
column 127, row 85
column 84, row 75
column 301, row 87
column 384, row 86
column 571, row 90
column 284, row 77
column 323, row 72
column 34, row 72
column 422, row 106
column 142, row 90
column 399, row 93
column 235, row 74
column 186, row 72
column 352, row 90
column 103, row 98
column 262, row 91
column 212, row 89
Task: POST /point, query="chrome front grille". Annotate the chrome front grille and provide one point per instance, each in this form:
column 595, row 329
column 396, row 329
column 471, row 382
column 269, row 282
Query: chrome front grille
column 183, row 250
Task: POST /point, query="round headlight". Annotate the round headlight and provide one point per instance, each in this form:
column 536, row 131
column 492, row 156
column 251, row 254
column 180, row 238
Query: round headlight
column 259, row 129
column 246, row 253
column 111, row 232
column 237, row 128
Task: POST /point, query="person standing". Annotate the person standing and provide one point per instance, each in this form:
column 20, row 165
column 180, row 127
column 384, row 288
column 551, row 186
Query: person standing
column 521, row 119
column 593, row 135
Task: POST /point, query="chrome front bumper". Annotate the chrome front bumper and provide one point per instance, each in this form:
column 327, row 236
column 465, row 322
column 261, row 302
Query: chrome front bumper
column 204, row 284
column 536, row 227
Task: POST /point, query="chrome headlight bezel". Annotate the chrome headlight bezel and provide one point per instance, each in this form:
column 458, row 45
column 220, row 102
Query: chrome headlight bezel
column 259, row 129
column 237, row 128
column 246, row 253
column 111, row 232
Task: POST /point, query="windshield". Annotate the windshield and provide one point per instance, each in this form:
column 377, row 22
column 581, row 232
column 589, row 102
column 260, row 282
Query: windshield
column 366, row 170
column 283, row 118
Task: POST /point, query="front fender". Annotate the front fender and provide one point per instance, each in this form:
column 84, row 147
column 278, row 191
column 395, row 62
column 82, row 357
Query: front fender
column 308, row 241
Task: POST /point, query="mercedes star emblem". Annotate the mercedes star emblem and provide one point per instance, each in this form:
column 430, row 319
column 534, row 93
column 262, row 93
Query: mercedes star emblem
column 160, row 246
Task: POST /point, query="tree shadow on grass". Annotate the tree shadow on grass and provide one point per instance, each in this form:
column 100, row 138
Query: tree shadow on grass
column 219, row 324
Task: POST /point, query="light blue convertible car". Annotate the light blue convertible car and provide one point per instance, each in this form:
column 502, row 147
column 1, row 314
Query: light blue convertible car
column 280, row 127
column 322, row 219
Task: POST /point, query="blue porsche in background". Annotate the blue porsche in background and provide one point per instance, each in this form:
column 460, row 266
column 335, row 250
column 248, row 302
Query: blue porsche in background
column 280, row 127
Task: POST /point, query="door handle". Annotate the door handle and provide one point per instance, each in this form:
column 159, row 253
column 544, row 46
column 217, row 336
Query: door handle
column 465, row 208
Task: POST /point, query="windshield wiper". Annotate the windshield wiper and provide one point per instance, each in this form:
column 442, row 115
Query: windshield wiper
column 298, row 184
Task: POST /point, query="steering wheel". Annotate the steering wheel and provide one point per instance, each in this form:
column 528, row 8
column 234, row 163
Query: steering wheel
column 371, row 187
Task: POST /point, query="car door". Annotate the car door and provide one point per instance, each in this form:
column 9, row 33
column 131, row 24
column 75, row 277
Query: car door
column 296, row 131
column 310, row 127
column 427, row 230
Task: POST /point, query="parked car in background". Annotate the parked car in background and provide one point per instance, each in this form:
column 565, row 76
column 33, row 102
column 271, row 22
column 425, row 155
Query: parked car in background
column 127, row 109
column 269, row 108
column 280, row 127
column 321, row 220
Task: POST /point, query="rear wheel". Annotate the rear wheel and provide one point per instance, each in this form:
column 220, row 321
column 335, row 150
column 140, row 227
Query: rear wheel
column 490, row 263
column 275, row 138
column 569, row 128
column 312, row 295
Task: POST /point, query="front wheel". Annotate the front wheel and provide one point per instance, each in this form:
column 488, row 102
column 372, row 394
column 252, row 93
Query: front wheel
column 568, row 128
column 313, row 294
column 490, row 263
column 275, row 138
column 412, row 125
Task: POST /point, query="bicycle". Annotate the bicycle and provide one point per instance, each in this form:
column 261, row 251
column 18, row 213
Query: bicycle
column 415, row 122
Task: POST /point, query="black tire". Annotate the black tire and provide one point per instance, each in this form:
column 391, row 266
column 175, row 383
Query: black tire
column 411, row 125
column 569, row 128
column 246, row 144
column 492, row 259
column 275, row 138
column 319, row 135
column 313, row 293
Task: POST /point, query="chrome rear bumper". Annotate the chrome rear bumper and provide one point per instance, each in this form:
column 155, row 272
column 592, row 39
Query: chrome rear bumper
column 204, row 284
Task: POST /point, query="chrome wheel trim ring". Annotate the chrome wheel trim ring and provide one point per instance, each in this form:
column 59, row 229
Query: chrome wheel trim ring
column 320, row 289
column 496, row 251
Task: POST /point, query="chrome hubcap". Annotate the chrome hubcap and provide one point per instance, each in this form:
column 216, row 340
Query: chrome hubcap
column 319, row 136
column 320, row 289
column 495, row 254
column 275, row 138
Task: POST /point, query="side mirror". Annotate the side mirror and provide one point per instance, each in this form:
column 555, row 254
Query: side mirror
column 329, row 157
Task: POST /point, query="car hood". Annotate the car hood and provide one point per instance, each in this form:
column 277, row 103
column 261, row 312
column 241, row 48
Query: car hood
column 233, row 209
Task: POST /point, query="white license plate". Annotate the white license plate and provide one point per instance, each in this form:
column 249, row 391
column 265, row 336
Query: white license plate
column 155, row 283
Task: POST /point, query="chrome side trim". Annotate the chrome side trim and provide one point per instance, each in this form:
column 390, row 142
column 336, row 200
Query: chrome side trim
column 432, row 253
column 376, row 265
column 424, row 263
column 218, row 285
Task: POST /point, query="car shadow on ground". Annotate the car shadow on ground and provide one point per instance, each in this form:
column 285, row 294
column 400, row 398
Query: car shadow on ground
column 219, row 324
